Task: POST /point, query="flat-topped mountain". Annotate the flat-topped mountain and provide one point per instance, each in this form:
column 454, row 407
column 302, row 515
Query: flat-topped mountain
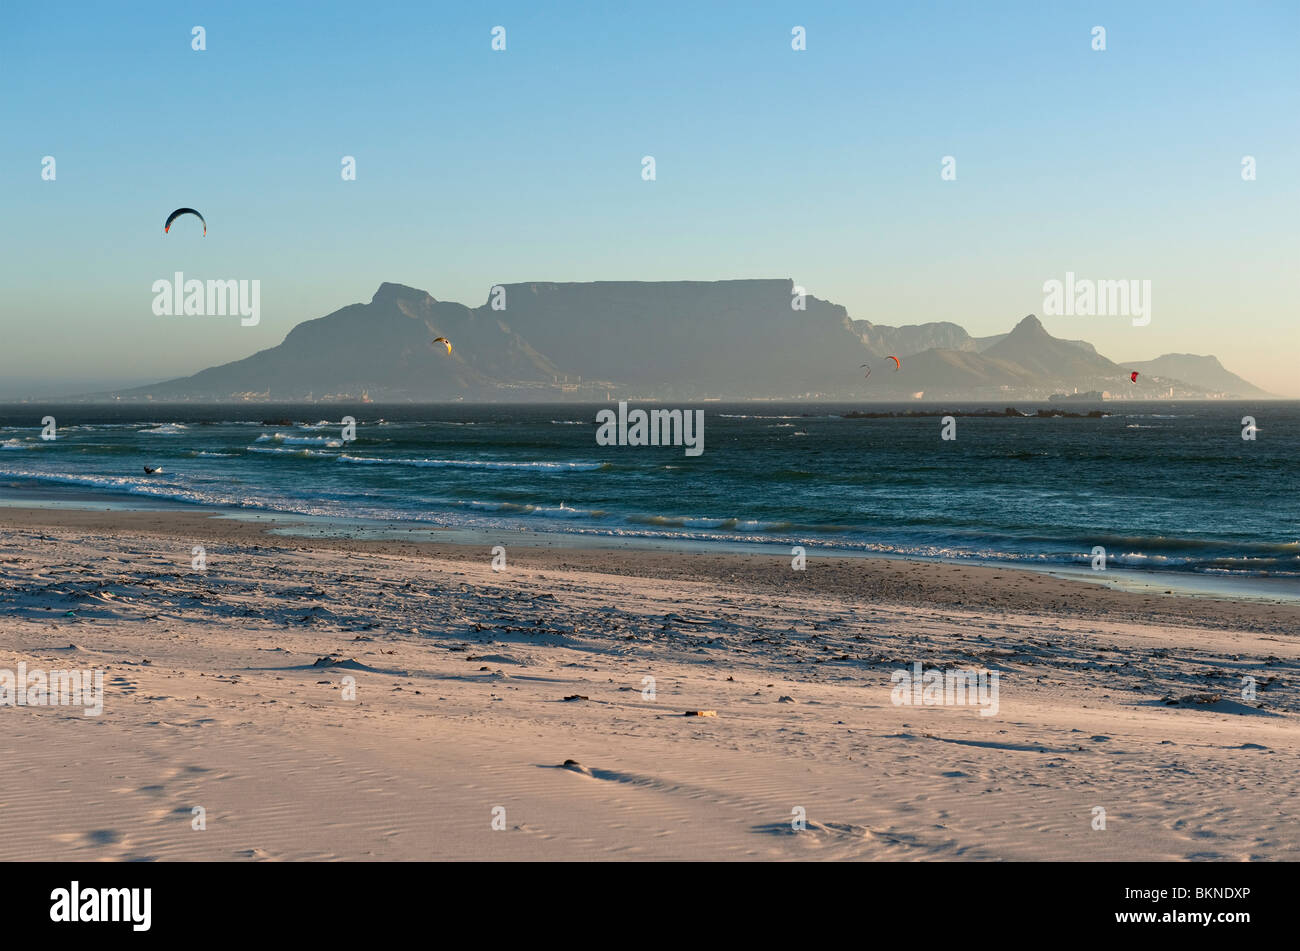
column 670, row 340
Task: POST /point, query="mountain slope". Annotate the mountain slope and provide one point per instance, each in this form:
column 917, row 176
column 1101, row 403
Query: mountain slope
column 1204, row 372
column 912, row 338
column 1031, row 347
column 385, row 346
column 667, row 340
column 693, row 338
column 983, row 343
column 954, row 370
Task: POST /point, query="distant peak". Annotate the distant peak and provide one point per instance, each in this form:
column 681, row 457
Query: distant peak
column 390, row 291
column 1030, row 323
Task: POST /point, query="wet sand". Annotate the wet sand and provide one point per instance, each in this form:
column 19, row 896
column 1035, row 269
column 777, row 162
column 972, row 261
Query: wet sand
column 333, row 698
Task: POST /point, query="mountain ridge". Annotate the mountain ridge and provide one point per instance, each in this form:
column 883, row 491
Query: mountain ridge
column 736, row 339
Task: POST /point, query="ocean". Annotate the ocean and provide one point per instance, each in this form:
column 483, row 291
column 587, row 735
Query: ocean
column 1164, row 487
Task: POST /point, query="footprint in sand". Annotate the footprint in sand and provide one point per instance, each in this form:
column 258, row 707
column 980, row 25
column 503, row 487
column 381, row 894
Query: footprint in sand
column 818, row 829
column 98, row 837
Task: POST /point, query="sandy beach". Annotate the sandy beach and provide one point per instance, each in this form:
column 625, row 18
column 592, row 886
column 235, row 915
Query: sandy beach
column 330, row 698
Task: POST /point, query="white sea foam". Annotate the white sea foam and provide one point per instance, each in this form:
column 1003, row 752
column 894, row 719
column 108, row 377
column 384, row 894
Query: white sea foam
column 300, row 440
column 474, row 464
column 288, row 451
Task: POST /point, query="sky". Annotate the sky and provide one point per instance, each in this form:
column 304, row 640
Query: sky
column 477, row 167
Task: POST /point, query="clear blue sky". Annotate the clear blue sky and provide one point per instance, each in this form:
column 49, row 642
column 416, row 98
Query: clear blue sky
column 477, row 167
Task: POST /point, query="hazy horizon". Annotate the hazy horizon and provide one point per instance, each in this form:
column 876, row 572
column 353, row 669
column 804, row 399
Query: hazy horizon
column 476, row 167
column 14, row 388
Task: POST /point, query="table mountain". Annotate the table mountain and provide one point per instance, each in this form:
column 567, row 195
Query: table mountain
column 669, row 340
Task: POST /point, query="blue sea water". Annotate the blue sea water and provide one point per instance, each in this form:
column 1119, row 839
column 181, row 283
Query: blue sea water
column 1167, row 487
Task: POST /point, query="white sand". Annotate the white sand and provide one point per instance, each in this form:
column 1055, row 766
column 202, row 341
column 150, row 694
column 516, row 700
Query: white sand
column 212, row 700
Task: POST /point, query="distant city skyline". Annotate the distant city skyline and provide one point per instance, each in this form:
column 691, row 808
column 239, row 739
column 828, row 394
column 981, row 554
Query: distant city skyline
column 477, row 167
